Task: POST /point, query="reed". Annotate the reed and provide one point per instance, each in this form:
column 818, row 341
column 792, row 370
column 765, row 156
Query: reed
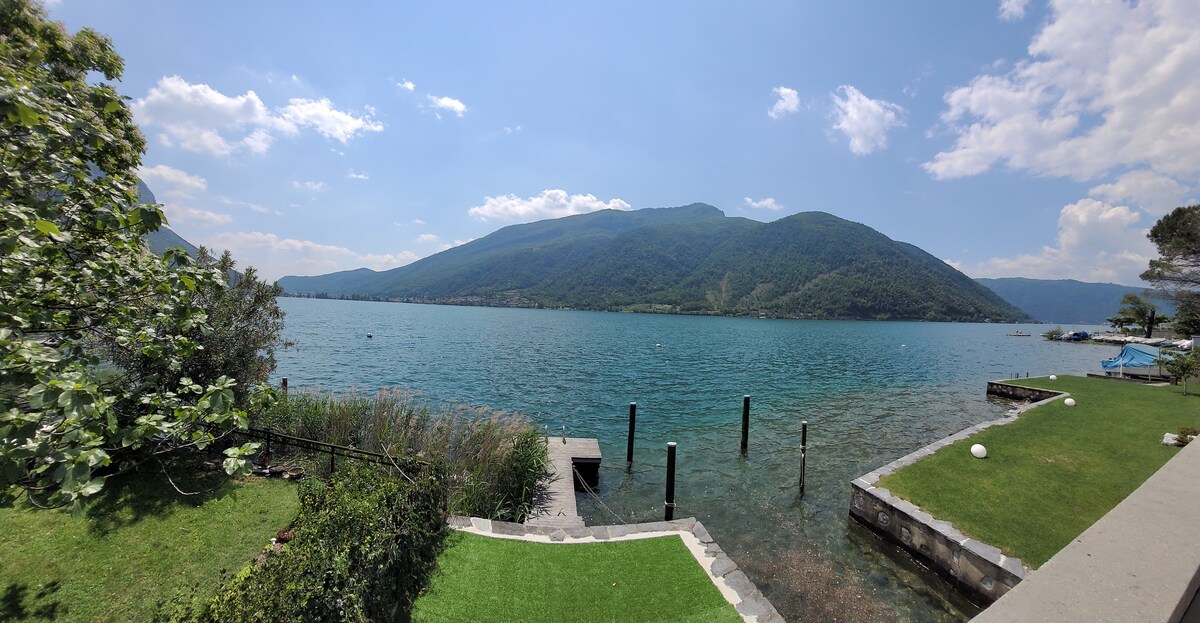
column 496, row 460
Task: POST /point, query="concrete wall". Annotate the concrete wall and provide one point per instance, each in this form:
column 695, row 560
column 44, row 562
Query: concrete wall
column 980, row 569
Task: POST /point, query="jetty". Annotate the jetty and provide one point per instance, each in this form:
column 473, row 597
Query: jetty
column 574, row 463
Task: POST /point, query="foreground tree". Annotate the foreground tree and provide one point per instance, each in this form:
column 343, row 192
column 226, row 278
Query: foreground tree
column 79, row 293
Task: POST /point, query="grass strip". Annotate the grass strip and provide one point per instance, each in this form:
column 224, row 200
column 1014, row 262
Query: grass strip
column 489, row 579
column 139, row 542
column 1056, row 470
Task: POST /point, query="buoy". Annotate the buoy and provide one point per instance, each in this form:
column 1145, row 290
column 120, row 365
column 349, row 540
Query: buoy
column 1070, row 402
column 658, row 345
column 370, row 335
column 1053, row 377
column 978, row 451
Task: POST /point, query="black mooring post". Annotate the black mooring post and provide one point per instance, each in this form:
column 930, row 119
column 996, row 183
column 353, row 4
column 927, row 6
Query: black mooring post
column 803, row 452
column 669, row 503
column 632, row 425
column 745, row 422
column 283, row 386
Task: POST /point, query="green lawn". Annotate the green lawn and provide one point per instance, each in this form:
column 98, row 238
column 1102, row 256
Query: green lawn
column 487, row 579
column 137, row 542
column 1056, row 470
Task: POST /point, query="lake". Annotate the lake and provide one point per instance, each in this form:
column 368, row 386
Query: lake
column 870, row 391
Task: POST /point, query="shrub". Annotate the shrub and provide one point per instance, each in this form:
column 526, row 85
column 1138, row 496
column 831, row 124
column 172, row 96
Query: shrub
column 365, row 544
column 1186, row 434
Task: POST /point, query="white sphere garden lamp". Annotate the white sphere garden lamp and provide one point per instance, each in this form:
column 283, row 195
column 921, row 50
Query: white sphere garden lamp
column 978, row 451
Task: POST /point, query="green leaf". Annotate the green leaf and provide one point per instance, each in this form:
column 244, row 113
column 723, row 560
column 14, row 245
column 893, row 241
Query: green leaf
column 47, row 227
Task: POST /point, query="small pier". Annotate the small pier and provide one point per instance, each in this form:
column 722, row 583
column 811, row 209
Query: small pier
column 556, row 505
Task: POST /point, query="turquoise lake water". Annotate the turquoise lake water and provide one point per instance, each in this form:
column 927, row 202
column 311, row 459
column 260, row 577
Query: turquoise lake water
column 870, row 391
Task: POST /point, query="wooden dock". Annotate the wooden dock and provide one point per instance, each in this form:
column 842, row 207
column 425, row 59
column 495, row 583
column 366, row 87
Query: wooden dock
column 556, row 505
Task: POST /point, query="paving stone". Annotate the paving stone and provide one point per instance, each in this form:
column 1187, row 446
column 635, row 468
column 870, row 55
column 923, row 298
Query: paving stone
column 655, row 526
column 686, row 523
column 754, row 606
column 508, row 528
column 701, row 533
column 558, row 535
column 600, row 532
column 740, row 583
column 771, row 616
column 1014, row 566
column 984, row 551
column 458, row 521
column 484, row 525
column 618, row 531
column 712, row 549
column 722, row 565
column 579, row 532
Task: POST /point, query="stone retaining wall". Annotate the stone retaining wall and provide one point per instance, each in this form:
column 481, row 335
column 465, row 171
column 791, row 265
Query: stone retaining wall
column 979, row 568
column 733, row 584
column 1016, row 392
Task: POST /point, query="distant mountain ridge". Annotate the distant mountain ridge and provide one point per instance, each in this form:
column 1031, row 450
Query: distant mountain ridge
column 689, row 259
column 164, row 237
column 1067, row 301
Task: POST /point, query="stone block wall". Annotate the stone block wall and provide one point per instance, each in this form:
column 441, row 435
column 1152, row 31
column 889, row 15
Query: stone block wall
column 981, row 569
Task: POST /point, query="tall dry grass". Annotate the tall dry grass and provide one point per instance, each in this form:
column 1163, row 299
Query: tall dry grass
column 496, row 460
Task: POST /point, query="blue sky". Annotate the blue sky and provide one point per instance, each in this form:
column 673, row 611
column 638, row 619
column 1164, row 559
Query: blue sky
column 1009, row 138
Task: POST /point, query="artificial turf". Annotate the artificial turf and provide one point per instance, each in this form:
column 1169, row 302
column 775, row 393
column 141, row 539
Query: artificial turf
column 484, row 579
column 1056, row 470
column 138, row 542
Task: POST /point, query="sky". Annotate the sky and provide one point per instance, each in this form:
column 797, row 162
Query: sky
column 1010, row 138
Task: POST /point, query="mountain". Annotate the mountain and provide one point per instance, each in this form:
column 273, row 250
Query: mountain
column 164, row 237
column 1067, row 301
column 690, row 259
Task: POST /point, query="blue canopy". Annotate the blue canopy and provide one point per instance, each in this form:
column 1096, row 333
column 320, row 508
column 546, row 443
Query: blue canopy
column 1133, row 355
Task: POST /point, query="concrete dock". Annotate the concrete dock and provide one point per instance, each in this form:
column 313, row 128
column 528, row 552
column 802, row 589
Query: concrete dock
column 556, row 505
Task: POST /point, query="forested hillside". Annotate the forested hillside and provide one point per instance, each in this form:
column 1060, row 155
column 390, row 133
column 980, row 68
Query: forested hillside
column 691, row 259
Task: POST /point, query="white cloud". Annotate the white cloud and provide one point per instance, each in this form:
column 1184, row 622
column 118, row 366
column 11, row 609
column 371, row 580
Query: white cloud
column 1107, row 86
column 197, row 117
column 245, row 204
column 258, row 141
column 407, row 85
column 310, row 186
column 1096, row 241
column 355, row 175
column 275, row 257
column 1155, row 194
column 550, row 204
column 1012, row 10
column 173, row 178
column 418, row 221
column 328, row 121
column 178, row 213
column 449, row 104
column 511, row 130
column 762, row 204
column 788, row 102
column 427, row 238
column 863, row 120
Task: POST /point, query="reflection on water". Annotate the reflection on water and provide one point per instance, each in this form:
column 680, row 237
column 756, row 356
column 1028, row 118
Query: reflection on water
column 871, row 392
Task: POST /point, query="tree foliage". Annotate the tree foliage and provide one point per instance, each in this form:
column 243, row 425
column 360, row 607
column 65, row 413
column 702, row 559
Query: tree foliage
column 79, row 292
column 1177, row 269
column 1137, row 312
column 1181, row 365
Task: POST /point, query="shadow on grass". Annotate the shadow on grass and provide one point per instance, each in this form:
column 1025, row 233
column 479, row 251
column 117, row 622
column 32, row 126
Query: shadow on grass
column 130, row 498
column 17, row 605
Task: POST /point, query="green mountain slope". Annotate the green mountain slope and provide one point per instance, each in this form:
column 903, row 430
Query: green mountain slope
column 1067, row 301
column 691, row 259
column 164, row 237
